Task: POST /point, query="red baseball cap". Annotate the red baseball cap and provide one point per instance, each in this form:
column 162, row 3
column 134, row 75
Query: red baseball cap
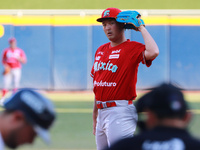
column 109, row 13
column 12, row 40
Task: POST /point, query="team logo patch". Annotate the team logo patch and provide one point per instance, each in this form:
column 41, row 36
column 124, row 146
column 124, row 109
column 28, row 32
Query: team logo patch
column 114, row 56
column 106, row 13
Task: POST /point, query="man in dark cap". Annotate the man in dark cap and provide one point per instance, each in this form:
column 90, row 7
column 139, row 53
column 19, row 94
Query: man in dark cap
column 27, row 114
column 166, row 122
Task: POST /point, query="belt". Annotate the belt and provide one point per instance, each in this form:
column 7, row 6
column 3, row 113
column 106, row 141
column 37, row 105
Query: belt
column 103, row 105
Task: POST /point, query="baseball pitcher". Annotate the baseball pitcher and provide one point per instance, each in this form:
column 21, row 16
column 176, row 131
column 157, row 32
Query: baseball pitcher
column 115, row 75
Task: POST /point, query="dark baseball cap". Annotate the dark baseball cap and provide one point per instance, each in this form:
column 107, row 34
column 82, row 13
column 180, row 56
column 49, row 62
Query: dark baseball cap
column 38, row 110
column 109, row 13
column 166, row 100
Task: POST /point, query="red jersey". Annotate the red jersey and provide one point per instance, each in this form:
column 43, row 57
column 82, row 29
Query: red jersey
column 10, row 57
column 115, row 70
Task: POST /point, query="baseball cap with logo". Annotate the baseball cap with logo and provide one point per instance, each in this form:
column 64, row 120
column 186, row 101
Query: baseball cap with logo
column 38, row 110
column 166, row 101
column 109, row 13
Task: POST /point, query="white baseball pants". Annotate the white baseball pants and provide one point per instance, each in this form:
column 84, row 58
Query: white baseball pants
column 115, row 123
column 15, row 75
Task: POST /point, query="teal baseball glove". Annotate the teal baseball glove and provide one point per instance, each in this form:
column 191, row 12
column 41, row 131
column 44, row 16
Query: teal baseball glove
column 131, row 19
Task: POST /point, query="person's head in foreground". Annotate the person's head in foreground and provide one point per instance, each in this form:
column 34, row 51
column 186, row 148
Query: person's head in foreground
column 113, row 29
column 164, row 106
column 27, row 114
column 166, row 119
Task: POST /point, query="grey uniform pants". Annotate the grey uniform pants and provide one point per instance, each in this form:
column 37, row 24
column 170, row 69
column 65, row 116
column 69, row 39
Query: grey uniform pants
column 115, row 123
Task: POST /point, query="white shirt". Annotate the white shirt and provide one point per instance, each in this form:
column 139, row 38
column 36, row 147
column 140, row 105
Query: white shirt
column 1, row 143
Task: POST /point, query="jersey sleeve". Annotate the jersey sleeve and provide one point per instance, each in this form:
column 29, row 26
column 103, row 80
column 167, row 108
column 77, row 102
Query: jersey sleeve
column 144, row 61
column 23, row 56
column 140, row 54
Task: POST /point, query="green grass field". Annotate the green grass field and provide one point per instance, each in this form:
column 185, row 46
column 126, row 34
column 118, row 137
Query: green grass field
column 100, row 4
column 73, row 127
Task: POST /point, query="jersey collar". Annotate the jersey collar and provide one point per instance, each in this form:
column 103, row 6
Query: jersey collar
column 128, row 40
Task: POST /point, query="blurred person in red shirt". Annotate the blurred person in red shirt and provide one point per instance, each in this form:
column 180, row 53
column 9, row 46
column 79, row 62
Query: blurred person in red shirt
column 12, row 59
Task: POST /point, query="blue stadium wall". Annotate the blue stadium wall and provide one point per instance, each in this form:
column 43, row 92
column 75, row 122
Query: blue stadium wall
column 60, row 56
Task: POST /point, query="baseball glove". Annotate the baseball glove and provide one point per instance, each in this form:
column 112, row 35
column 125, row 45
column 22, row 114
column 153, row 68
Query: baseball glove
column 6, row 70
column 131, row 19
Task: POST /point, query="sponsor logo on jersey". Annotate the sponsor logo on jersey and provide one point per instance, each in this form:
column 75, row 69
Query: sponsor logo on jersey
column 105, row 66
column 107, row 84
column 116, row 51
column 114, row 56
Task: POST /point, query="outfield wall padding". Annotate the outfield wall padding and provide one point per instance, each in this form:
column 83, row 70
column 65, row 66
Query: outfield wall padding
column 60, row 55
